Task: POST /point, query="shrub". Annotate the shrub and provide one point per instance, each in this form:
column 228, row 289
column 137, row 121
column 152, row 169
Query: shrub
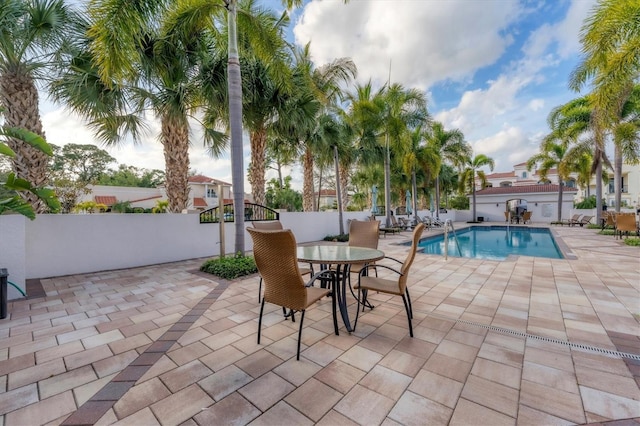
column 587, row 203
column 632, row 241
column 343, row 238
column 230, row 267
column 460, row 202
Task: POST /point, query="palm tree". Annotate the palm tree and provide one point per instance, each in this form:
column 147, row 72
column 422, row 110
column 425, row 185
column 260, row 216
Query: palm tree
column 422, row 157
column 568, row 123
column 451, row 146
column 610, row 40
column 164, row 86
column 553, row 154
column 323, row 85
column 31, row 32
column 472, row 173
column 626, row 138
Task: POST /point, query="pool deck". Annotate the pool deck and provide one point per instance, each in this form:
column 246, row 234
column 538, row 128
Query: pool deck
column 522, row 341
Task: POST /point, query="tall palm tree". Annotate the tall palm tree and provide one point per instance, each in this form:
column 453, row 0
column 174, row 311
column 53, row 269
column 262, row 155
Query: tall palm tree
column 473, row 173
column 324, row 84
column 553, row 154
column 164, row 86
column 404, row 110
column 610, row 40
column 626, row 138
column 568, row 123
column 419, row 156
column 451, row 146
column 30, row 34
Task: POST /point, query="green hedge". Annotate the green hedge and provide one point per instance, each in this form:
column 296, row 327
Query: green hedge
column 230, row 267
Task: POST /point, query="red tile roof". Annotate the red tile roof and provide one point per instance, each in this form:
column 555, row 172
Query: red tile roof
column 205, row 179
column 199, row 202
column 107, row 200
column 523, row 189
column 327, row 193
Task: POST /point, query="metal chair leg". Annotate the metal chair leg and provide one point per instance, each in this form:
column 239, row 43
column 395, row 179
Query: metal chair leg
column 260, row 319
column 260, row 290
column 300, row 335
column 406, row 290
column 406, row 307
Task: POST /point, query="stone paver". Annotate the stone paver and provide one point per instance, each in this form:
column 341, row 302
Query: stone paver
column 168, row 345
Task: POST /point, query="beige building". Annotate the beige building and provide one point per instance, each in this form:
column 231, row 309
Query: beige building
column 203, row 194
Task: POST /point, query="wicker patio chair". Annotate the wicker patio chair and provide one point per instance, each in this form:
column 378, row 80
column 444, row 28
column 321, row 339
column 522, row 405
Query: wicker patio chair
column 275, row 225
column 526, row 217
column 397, row 286
column 363, row 234
column 626, row 222
column 276, row 257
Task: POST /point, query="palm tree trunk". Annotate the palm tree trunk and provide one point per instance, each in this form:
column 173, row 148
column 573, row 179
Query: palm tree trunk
column 414, row 188
column 438, row 197
column 617, row 176
column 344, row 183
column 307, row 183
column 18, row 93
column 560, row 200
column 598, row 191
column 235, row 122
column 474, row 202
column 338, row 192
column 256, row 168
column 175, row 140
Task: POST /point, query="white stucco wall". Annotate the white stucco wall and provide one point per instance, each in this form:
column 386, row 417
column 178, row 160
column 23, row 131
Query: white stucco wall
column 13, row 251
column 57, row 245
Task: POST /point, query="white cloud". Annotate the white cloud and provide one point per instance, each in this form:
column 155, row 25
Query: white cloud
column 426, row 42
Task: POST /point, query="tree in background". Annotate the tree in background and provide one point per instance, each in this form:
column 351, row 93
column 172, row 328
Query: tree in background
column 132, row 176
column 610, row 39
column 72, row 168
column 473, row 173
column 453, row 149
column 283, row 197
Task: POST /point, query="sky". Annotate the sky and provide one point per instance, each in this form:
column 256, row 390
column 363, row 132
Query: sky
column 493, row 69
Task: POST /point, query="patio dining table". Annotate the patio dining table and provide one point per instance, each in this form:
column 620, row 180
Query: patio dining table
column 342, row 257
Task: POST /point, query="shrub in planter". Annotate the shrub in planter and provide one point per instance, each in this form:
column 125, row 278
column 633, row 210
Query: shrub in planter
column 230, row 267
column 342, row 238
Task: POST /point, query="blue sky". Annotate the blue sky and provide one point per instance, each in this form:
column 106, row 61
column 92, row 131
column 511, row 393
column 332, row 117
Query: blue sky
column 491, row 68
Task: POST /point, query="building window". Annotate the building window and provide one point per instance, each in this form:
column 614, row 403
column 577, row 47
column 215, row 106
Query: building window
column 211, row 193
column 505, row 184
column 571, row 183
column 524, row 175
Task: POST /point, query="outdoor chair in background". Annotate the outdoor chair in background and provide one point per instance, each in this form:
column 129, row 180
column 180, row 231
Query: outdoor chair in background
column 608, row 220
column 395, row 224
column 506, row 216
column 275, row 225
column 626, row 222
column 526, row 217
column 396, row 286
column 584, row 220
column 574, row 219
column 404, row 222
column 276, row 257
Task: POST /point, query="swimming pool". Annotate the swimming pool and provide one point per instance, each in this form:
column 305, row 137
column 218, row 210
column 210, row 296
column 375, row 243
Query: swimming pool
column 495, row 242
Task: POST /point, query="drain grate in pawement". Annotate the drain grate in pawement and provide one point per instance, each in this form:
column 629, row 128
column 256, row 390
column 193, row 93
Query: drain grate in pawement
column 578, row 346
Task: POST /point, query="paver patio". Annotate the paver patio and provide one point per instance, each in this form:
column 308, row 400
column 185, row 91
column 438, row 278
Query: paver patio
column 521, row 341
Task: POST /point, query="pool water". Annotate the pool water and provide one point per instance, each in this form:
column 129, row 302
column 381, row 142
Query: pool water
column 495, row 242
